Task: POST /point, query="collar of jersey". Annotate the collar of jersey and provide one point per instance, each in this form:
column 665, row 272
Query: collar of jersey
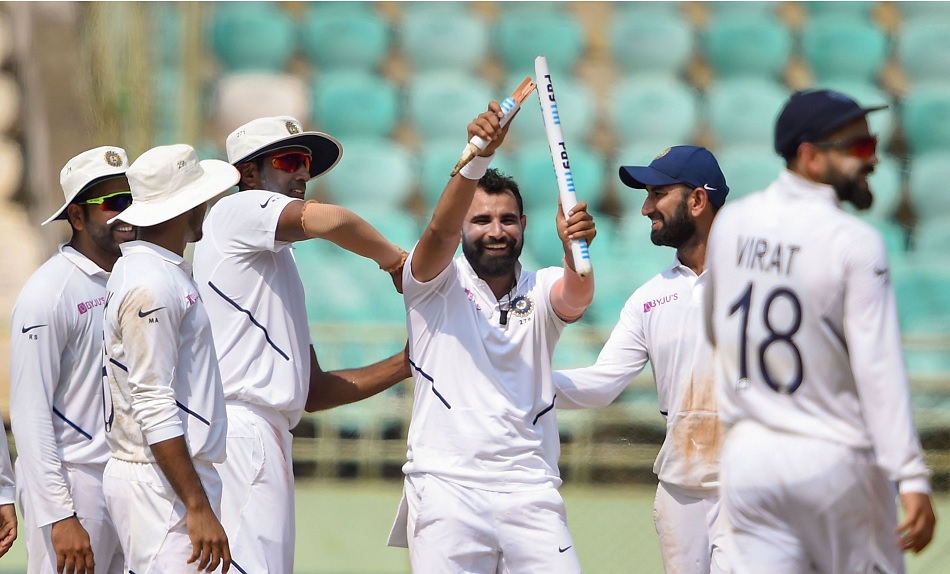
column 139, row 246
column 798, row 188
column 84, row 264
column 467, row 269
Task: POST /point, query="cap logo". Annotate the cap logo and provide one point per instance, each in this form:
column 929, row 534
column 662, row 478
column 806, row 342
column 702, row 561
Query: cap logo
column 292, row 128
column 113, row 158
column 181, row 164
column 708, row 187
column 662, row 153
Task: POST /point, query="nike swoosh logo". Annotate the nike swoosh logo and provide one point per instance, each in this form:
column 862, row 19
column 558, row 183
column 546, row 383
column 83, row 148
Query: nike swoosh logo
column 26, row 329
column 563, row 550
column 881, row 271
column 707, row 188
column 147, row 313
column 269, row 199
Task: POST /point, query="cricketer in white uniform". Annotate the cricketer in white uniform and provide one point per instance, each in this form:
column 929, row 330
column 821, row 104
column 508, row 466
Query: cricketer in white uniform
column 662, row 323
column 8, row 520
column 56, row 375
column 812, row 386
column 166, row 421
column 481, row 489
column 248, row 279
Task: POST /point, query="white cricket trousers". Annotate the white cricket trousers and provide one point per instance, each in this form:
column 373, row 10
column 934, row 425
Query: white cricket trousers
column 692, row 530
column 84, row 482
column 453, row 529
column 258, row 490
column 150, row 518
column 803, row 505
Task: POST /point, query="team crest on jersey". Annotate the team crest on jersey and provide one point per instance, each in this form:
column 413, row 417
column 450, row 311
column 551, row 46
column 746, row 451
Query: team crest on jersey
column 661, row 154
column 113, row 158
column 292, row 128
column 522, row 306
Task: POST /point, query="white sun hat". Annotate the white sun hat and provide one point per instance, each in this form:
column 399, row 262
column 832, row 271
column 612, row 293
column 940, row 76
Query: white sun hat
column 265, row 135
column 169, row 180
column 86, row 170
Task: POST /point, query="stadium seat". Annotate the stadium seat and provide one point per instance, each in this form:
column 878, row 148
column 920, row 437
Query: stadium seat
column 436, row 161
column 661, row 43
column 928, row 177
column 241, row 97
column 887, row 184
column 652, row 109
column 556, row 35
column 748, row 168
column 355, row 104
column 912, row 10
column 733, row 8
column 440, row 40
column 923, row 46
column 373, row 171
column 852, row 10
column 932, row 238
column 744, row 44
column 841, row 48
column 252, row 36
column 534, row 172
column 743, row 110
column 577, row 108
column 926, row 118
column 883, row 122
column 923, row 298
column 441, row 104
column 346, row 288
column 344, row 40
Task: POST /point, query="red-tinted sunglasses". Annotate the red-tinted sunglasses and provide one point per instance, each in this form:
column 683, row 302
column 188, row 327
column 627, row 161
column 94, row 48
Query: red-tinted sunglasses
column 861, row 147
column 117, row 201
column 291, row 161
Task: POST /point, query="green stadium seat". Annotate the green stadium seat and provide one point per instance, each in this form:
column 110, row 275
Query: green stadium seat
column 887, row 185
column 436, row 161
column 841, row 48
column 534, row 172
column 747, row 44
column 374, row 171
column 926, row 118
column 441, row 104
column 729, row 9
column 923, row 297
column 923, row 46
column 851, row 10
column 344, row 40
column 355, row 104
column 748, row 168
column 556, row 35
column 252, row 36
column 659, row 44
column 651, row 109
column 932, row 238
column 440, row 40
column 743, row 110
column 577, row 108
column 913, row 10
column 928, row 176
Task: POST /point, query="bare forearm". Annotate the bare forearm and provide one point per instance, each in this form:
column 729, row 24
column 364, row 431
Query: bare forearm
column 335, row 388
column 174, row 459
column 349, row 231
column 440, row 239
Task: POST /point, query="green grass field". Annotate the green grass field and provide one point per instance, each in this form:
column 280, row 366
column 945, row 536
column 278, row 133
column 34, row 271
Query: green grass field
column 342, row 529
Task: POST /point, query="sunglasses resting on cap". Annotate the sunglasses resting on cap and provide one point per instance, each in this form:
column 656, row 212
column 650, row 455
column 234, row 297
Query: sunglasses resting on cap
column 117, row 201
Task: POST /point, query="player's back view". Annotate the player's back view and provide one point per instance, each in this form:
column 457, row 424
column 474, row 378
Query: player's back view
column 811, row 377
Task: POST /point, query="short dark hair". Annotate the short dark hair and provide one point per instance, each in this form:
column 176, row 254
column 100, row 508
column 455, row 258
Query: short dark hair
column 494, row 182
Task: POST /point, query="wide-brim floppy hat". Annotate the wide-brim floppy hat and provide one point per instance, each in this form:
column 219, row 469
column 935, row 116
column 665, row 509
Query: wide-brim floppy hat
column 266, row 135
column 167, row 181
column 86, row 170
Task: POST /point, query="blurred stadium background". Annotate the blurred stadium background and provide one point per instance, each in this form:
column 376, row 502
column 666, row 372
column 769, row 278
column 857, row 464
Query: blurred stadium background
column 396, row 82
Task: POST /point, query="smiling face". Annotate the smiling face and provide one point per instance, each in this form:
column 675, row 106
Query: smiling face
column 493, row 234
column 282, row 172
column 667, row 206
column 92, row 235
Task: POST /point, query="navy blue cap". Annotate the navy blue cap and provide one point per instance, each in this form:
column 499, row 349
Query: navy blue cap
column 809, row 115
column 692, row 165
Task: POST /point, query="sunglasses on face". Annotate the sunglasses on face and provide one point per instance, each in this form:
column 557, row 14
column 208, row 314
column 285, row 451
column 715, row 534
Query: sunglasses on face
column 291, row 161
column 861, row 147
column 117, row 201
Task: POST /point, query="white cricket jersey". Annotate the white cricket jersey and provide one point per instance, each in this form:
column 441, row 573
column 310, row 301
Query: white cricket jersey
column 802, row 311
column 56, row 377
column 662, row 323
column 7, row 485
column 252, row 290
column 478, row 418
column 159, row 358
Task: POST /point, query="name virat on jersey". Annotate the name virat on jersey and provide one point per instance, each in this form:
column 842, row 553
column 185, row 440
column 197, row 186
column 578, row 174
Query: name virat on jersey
column 758, row 254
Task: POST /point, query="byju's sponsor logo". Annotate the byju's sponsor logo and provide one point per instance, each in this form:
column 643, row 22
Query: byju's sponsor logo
column 657, row 302
column 86, row 306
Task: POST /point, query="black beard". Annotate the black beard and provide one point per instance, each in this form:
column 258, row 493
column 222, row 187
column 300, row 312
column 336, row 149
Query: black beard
column 854, row 190
column 677, row 230
column 491, row 266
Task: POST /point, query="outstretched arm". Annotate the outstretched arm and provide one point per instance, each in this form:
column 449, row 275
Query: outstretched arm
column 441, row 237
column 335, row 388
